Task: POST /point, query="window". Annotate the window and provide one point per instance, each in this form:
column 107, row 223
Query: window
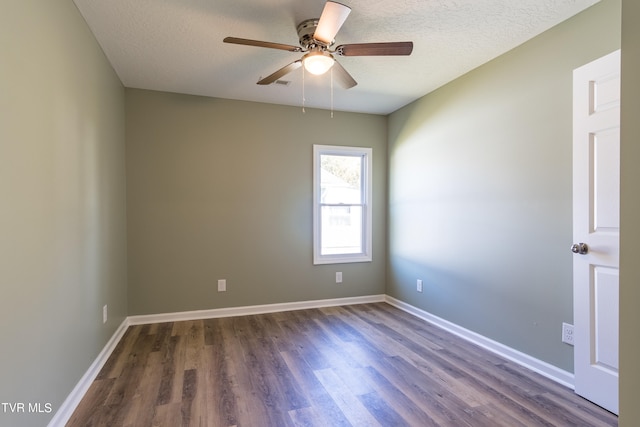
column 341, row 204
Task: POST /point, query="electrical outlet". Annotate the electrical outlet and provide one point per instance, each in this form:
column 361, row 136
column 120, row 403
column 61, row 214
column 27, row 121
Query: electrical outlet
column 338, row 277
column 222, row 285
column 567, row 333
column 105, row 313
column 419, row 285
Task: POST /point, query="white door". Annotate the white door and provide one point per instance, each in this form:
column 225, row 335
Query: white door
column 596, row 224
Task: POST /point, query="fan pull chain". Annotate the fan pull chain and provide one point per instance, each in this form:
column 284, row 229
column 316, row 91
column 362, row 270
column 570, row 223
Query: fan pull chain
column 303, row 91
column 332, row 92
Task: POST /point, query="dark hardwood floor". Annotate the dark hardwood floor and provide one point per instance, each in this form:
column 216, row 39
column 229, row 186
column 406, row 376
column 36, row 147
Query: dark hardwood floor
column 361, row 365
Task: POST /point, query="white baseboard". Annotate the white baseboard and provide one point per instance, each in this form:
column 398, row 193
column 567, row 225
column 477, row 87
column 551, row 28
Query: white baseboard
column 252, row 309
column 63, row 414
column 543, row 368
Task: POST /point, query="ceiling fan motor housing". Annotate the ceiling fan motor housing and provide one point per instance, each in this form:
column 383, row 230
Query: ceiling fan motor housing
column 306, row 29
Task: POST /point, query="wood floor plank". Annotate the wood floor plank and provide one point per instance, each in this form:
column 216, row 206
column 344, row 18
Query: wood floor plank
column 304, row 332
column 341, row 360
column 501, row 417
column 189, row 409
column 146, row 392
column 169, row 369
column 195, row 345
column 397, row 324
column 421, row 356
column 126, row 384
column 93, row 400
column 221, row 400
column 292, row 397
column 359, row 365
column 177, row 369
column 349, row 404
column 255, row 399
column 169, row 415
column 305, row 417
column 423, row 391
column 381, row 410
column 578, row 407
column 410, row 411
column 271, row 380
column 115, row 363
column 325, row 408
column 493, row 381
column 162, row 335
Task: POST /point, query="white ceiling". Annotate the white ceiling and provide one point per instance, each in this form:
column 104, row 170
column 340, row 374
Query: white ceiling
column 176, row 45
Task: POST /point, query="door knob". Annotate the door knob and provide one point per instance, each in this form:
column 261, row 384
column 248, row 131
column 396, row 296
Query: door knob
column 579, row 248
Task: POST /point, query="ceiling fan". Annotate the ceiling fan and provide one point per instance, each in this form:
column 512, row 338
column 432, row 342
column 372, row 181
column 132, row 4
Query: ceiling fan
column 316, row 36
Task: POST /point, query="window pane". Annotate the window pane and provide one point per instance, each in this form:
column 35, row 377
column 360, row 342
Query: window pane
column 340, row 179
column 341, row 230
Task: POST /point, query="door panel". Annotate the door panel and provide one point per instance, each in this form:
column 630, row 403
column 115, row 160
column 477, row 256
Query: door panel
column 605, row 311
column 606, row 197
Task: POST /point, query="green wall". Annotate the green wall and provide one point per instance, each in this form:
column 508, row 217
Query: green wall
column 480, row 192
column 62, row 204
column 629, row 216
column 220, row 189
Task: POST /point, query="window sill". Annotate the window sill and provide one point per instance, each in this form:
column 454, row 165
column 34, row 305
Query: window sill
column 341, row 259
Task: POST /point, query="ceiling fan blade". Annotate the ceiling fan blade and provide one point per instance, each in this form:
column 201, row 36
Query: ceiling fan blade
column 259, row 43
column 341, row 75
column 375, row 49
column 281, row 72
column 333, row 16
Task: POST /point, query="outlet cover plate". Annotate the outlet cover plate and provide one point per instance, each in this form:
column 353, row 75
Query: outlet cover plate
column 567, row 333
column 419, row 285
column 222, row 285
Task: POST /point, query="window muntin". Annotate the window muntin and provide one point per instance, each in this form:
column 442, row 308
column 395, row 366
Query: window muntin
column 342, row 198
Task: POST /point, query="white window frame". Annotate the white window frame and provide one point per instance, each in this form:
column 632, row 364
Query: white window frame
column 367, row 196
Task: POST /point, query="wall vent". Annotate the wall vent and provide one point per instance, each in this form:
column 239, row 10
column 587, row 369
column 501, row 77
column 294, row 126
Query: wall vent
column 283, row 82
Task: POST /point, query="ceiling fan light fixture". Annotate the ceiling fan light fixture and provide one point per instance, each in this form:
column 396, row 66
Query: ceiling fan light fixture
column 318, row 62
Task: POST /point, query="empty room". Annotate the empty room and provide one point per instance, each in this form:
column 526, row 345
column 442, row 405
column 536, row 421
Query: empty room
column 318, row 213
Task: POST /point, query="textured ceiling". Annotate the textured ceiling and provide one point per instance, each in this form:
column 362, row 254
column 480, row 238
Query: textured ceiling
column 176, row 45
